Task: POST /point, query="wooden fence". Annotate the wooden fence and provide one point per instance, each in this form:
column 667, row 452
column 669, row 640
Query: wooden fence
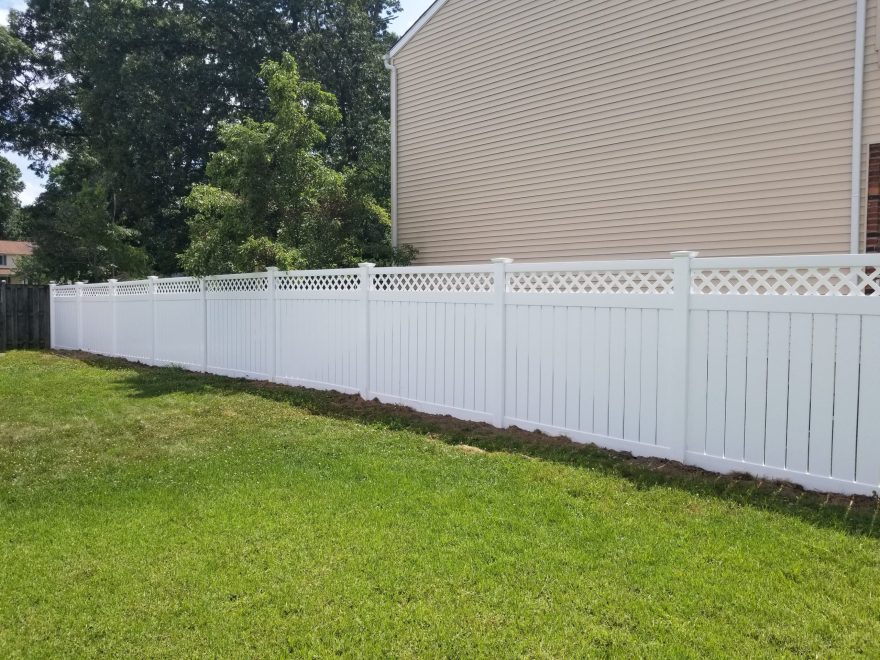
column 766, row 365
column 24, row 316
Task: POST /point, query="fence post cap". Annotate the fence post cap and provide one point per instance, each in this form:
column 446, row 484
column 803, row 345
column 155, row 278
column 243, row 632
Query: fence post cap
column 112, row 281
column 684, row 253
column 152, row 277
column 366, row 264
column 271, row 269
column 501, row 260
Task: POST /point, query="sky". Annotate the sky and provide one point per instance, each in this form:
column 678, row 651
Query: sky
column 412, row 9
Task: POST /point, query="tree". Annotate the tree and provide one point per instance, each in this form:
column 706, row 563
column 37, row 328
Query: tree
column 76, row 232
column 273, row 199
column 143, row 85
column 10, row 187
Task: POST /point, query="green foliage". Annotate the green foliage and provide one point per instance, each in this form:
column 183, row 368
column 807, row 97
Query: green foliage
column 10, row 187
column 76, row 230
column 38, row 114
column 143, row 86
column 164, row 514
column 273, row 198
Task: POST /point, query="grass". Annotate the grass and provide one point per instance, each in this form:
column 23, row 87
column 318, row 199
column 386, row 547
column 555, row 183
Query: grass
column 155, row 512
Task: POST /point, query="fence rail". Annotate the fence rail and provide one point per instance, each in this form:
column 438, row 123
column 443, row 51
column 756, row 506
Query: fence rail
column 766, row 365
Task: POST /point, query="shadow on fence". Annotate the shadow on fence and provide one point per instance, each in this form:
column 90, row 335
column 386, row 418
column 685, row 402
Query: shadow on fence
column 853, row 515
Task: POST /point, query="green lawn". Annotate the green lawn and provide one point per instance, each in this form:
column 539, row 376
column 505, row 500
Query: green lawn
column 153, row 512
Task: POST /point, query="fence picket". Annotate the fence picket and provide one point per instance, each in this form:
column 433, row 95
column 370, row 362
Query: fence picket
column 650, row 335
column 777, row 390
column 602, row 367
column 632, row 375
column 698, row 373
column 756, row 387
column 822, row 394
column 617, row 372
column 716, row 384
column 588, row 370
column 868, row 448
column 846, row 397
column 799, row 387
column 735, row 408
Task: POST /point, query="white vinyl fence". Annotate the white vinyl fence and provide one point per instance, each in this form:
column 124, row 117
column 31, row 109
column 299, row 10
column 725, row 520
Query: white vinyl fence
column 765, row 365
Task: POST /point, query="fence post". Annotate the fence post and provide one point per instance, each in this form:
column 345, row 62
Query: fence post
column 273, row 322
column 152, row 285
column 114, row 351
column 365, row 279
column 204, row 291
column 679, row 334
column 496, row 401
column 52, row 286
column 79, row 316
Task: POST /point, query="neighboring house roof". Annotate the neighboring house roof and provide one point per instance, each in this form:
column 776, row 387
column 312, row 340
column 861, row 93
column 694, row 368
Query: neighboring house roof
column 16, row 248
column 415, row 27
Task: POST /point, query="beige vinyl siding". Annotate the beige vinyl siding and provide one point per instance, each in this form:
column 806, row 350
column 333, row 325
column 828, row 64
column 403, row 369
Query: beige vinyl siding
column 602, row 129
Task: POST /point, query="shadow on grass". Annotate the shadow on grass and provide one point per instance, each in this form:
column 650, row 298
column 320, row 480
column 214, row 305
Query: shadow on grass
column 853, row 515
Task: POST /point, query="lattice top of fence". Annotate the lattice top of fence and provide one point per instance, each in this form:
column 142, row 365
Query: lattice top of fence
column 132, row 289
column 832, row 281
column 238, row 284
column 64, row 291
column 178, row 286
column 840, row 275
column 430, row 282
column 329, row 282
column 96, row 290
column 580, row 281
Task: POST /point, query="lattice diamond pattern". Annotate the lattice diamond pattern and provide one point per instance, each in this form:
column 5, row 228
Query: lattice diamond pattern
column 178, row 286
column 341, row 283
column 856, row 281
column 836, row 281
column 132, row 289
column 649, row 281
column 239, row 285
column 96, row 291
column 434, row 282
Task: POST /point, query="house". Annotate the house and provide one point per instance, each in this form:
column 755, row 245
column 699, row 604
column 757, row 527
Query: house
column 9, row 252
column 590, row 129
